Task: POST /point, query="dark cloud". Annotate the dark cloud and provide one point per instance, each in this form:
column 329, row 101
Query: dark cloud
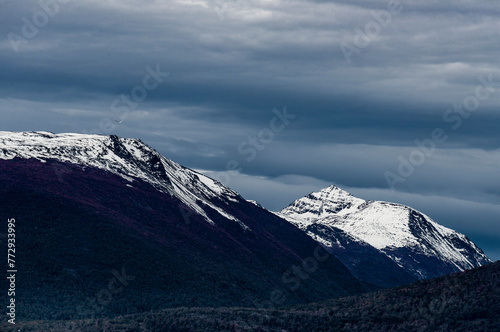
column 232, row 62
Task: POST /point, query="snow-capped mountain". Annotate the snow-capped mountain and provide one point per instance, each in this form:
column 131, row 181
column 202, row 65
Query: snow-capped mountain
column 409, row 238
column 91, row 207
column 128, row 158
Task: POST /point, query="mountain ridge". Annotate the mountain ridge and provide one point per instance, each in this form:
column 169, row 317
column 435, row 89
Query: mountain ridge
column 81, row 213
column 128, row 158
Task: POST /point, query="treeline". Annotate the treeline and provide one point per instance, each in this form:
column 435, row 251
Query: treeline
column 466, row 301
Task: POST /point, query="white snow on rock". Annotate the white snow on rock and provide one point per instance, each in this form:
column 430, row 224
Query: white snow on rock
column 383, row 225
column 128, row 158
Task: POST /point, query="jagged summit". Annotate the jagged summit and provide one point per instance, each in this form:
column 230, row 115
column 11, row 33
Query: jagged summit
column 408, row 237
column 129, row 158
column 324, row 203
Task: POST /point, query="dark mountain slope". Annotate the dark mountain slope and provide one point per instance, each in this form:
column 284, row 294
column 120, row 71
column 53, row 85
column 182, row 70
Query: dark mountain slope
column 79, row 227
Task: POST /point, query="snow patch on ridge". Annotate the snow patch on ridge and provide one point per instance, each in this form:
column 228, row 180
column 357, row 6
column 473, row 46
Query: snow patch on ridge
column 128, row 158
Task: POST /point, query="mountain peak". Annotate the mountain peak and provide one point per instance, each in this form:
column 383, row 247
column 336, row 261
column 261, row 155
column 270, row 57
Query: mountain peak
column 320, row 204
column 332, row 193
column 397, row 230
column 332, row 187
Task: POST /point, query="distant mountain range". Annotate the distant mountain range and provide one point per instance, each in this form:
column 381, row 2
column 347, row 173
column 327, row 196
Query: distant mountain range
column 92, row 211
column 384, row 243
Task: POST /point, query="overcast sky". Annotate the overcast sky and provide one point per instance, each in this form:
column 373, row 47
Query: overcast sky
column 278, row 98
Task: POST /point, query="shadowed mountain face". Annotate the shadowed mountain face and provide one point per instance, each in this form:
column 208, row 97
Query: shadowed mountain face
column 382, row 243
column 364, row 261
column 107, row 226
